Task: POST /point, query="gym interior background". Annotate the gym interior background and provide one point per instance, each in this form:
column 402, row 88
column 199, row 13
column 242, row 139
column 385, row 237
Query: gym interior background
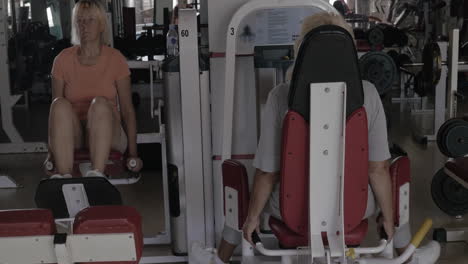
column 406, row 48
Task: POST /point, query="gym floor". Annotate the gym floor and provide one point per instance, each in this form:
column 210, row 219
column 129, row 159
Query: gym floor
column 146, row 195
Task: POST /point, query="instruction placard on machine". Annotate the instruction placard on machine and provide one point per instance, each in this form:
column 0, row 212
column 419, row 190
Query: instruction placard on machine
column 280, row 26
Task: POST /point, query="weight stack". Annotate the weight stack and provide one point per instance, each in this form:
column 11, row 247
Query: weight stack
column 175, row 148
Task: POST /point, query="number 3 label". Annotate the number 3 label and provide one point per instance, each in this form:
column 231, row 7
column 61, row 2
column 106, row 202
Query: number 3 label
column 232, row 31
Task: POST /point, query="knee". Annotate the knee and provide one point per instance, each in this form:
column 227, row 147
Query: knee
column 100, row 106
column 60, row 107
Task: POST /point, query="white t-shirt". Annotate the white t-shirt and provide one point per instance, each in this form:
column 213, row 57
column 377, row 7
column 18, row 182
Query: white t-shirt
column 268, row 156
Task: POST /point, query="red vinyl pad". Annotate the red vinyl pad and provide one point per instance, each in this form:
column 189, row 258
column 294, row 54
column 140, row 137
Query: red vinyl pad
column 459, row 167
column 117, row 159
column 111, row 219
column 400, row 172
column 235, row 176
column 294, row 194
column 289, row 239
column 34, row 222
column 83, row 154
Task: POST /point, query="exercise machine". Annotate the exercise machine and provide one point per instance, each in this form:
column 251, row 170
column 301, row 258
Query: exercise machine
column 323, row 231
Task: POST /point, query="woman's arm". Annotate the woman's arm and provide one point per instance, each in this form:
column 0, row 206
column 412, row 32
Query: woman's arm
column 262, row 188
column 57, row 88
column 127, row 112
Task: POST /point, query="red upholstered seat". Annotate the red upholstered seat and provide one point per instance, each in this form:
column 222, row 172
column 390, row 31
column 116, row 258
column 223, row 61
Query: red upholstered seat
column 289, row 239
column 459, row 167
column 111, row 219
column 83, row 154
column 115, row 164
column 34, row 222
column 294, row 192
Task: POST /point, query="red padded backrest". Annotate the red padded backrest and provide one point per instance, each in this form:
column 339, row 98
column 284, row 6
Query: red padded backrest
column 295, row 171
column 235, row 176
column 111, row 219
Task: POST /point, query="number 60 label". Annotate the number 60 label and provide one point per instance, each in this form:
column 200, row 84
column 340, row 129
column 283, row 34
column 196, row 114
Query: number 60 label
column 184, row 33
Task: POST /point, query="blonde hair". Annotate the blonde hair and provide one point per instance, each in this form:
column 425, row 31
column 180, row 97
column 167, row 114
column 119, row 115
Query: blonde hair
column 95, row 7
column 317, row 20
column 312, row 22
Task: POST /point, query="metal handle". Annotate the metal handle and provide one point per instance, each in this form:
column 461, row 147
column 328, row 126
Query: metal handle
column 132, row 163
column 255, row 238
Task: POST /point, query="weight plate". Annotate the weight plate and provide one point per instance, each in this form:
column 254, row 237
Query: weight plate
column 380, row 69
column 442, row 134
column 456, row 140
column 450, row 196
column 456, row 122
column 432, row 67
column 375, row 36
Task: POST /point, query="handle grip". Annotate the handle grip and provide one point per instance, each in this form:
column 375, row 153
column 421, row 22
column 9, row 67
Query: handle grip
column 426, row 226
column 255, row 238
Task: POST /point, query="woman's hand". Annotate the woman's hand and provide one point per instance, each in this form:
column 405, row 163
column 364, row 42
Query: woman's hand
column 134, row 164
column 250, row 226
column 386, row 226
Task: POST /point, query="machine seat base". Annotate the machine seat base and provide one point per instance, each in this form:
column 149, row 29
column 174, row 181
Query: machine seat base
column 83, row 154
column 290, row 239
column 99, row 191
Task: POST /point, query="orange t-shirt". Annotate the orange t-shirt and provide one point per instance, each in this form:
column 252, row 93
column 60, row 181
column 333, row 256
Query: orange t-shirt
column 83, row 83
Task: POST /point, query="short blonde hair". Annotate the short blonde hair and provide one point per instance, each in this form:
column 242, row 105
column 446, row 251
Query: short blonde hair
column 320, row 19
column 312, row 22
column 95, row 7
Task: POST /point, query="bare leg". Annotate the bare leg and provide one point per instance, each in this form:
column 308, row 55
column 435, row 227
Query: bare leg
column 64, row 134
column 226, row 250
column 100, row 127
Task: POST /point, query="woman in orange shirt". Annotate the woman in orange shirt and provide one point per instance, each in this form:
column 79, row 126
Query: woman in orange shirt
column 91, row 96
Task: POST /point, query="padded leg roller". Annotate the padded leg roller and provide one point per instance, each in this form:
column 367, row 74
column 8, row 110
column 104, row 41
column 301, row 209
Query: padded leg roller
column 34, row 222
column 111, row 219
